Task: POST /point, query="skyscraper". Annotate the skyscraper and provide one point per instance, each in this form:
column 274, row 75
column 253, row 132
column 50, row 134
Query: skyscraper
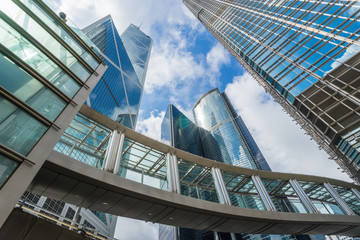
column 47, row 72
column 219, row 134
column 118, row 94
column 306, row 55
column 109, row 90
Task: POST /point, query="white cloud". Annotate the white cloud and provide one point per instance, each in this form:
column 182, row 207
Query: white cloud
column 217, row 57
column 171, row 64
column 282, row 142
column 139, row 12
column 130, row 229
column 151, row 126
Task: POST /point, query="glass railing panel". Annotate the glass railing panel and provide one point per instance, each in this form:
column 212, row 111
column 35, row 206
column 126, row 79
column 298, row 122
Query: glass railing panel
column 143, row 164
column 196, row 181
column 242, row 191
column 283, row 196
column 321, row 198
column 349, row 197
column 85, row 141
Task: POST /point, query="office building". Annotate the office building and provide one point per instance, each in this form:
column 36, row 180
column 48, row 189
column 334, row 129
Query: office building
column 118, row 94
column 101, row 32
column 306, row 55
column 47, row 73
column 219, row 134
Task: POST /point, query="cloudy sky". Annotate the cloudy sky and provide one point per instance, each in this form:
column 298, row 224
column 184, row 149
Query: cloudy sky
column 186, row 62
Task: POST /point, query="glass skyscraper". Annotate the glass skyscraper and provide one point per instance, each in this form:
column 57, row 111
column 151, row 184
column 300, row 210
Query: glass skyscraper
column 47, row 70
column 214, row 113
column 219, row 134
column 306, row 55
column 118, row 93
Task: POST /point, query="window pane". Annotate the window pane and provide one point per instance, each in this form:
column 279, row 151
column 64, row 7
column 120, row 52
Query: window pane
column 7, row 166
column 29, row 90
column 19, row 131
column 42, row 36
column 37, row 60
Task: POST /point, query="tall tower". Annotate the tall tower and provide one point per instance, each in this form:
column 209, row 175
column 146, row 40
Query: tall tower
column 113, row 88
column 138, row 46
column 118, row 94
column 214, row 113
column 47, row 73
column 219, row 134
column 306, row 55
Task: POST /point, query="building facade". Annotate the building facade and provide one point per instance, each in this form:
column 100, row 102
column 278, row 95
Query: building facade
column 101, row 33
column 306, row 55
column 119, row 92
column 219, row 134
column 47, row 73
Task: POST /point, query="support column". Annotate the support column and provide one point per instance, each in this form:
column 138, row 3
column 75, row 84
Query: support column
column 111, row 151
column 172, row 173
column 303, row 197
column 220, row 186
column 265, row 197
column 119, row 154
column 338, row 199
column 356, row 193
column 76, row 217
column 222, row 193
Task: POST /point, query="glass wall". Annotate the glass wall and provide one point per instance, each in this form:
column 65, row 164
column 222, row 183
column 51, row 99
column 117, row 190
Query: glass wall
column 118, row 94
column 42, row 68
column 211, row 114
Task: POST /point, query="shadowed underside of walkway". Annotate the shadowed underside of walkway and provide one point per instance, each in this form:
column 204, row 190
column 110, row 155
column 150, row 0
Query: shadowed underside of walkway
column 68, row 180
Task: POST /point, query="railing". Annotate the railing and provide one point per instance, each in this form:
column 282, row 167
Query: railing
column 62, row 221
column 129, row 154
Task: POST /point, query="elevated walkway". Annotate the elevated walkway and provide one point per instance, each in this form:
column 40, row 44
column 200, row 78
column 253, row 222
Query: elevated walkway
column 133, row 176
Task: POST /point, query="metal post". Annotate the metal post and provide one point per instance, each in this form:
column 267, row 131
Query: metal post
column 338, row 199
column 303, row 197
column 216, row 236
column 233, row 236
column 119, row 154
column 269, row 205
column 175, row 229
column 111, row 152
column 220, row 186
column 169, row 173
column 176, row 173
column 76, row 216
column 356, row 193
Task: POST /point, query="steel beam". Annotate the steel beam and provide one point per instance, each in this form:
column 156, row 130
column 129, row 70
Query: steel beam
column 338, row 199
column 119, row 154
column 265, row 197
column 356, row 193
column 112, row 151
column 220, row 186
column 172, row 173
column 303, row 197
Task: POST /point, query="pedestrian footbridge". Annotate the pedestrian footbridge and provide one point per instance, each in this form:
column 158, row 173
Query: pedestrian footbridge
column 101, row 165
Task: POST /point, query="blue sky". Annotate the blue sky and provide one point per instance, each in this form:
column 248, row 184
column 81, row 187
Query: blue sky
column 185, row 63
